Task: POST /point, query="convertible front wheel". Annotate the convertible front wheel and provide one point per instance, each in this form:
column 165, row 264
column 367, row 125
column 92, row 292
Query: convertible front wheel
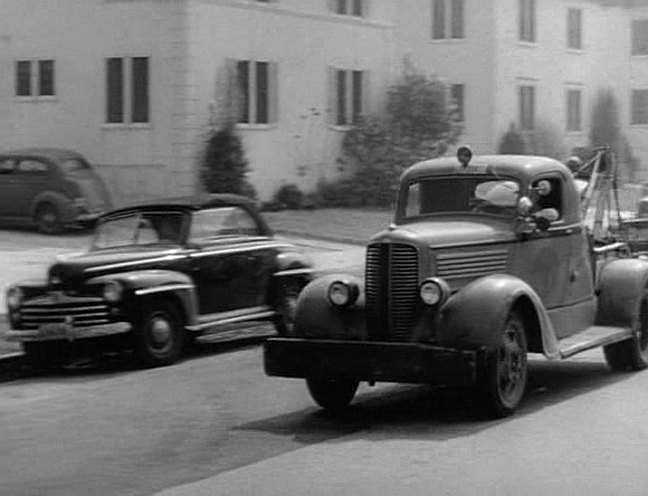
column 159, row 335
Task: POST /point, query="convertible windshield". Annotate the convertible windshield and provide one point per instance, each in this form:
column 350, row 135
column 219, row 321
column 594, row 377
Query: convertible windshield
column 464, row 194
column 139, row 228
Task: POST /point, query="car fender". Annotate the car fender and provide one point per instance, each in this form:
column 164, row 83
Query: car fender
column 473, row 317
column 620, row 287
column 142, row 283
column 317, row 317
column 61, row 202
column 293, row 264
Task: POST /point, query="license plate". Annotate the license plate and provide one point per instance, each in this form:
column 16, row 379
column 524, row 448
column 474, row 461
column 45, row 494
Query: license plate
column 50, row 330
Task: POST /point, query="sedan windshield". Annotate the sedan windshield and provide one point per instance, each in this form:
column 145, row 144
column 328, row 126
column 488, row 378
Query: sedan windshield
column 464, row 194
column 139, row 228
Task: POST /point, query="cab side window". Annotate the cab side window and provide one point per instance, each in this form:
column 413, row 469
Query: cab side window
column 7, row 166
column 549, row 194
column 32, row 167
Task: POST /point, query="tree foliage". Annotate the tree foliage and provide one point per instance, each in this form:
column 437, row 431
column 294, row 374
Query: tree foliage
column 419, row 123
column 224, row 167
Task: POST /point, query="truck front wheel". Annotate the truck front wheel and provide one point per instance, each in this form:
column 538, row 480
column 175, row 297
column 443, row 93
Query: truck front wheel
column 332, row 394
column 504, row 379
column 631, row 354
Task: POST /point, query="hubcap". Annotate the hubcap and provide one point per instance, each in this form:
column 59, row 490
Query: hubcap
column 511, row 365
column 160, row 332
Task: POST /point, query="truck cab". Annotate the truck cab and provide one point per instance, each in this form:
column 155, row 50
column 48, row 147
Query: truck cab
column 489, row 258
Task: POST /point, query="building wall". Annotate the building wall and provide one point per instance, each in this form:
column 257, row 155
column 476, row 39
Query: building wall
column 137, row 160
column 638, row 133
column 304, row 39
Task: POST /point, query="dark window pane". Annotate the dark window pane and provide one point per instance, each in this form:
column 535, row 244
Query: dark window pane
column 457, row 93
column 639, row 107
column 23, row 78
column 140, row 90
column 357, row 8
column 341, row 7
column 341, row 97
column 262, row 92
column 438, row 20
column 457, row 18
column 527, row 107
column 114, row 90
column 574, row 29
column 243, row 73
column 573, row 110
column 357, row 95
column 46, row 77
column 527, row 20
column 640, row 37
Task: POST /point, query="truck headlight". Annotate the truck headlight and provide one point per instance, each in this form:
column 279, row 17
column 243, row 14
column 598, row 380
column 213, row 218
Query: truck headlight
column 112, row 292
column 15, row 297
column 434, row 291
column 343, row 293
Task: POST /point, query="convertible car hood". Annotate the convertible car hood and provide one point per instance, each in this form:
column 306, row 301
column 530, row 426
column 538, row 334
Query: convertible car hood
column 449, row 232
column 75, row 268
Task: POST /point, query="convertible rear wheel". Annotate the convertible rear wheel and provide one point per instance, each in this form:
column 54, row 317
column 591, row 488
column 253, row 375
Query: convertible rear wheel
column 159, row 336
column 288, row 292
column 505, row 376
column 332, row 394
column 631, row 354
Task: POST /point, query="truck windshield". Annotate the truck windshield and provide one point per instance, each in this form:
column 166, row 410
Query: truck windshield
column 464, row 194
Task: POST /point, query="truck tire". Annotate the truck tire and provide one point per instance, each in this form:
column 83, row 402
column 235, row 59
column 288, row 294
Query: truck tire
column 504, row 379
column 632, row 354
column 159, row 336
column 332, row 394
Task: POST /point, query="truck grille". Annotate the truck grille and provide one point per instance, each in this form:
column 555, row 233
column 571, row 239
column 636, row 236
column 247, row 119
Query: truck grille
column 391, row 286
column 459, row 268
column 47, row 310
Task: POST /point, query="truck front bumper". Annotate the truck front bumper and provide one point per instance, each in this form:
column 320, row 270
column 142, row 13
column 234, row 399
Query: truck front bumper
column 370, row 361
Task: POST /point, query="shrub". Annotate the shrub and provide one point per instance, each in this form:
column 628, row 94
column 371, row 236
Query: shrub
column 512, row 142
column 289, row 196
column 224, row 166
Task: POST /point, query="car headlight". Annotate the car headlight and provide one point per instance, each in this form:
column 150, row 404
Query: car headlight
column 112, row 291
column 15, row 297
column 343, row 293
column 434, row 291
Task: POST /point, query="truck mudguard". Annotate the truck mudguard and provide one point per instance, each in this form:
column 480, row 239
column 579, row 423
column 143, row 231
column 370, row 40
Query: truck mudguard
column 621, row 285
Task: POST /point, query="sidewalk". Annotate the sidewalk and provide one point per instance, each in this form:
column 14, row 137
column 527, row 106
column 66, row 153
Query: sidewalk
column 334, row 238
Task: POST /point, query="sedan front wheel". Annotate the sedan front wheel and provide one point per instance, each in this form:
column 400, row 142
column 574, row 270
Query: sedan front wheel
column 159, row 335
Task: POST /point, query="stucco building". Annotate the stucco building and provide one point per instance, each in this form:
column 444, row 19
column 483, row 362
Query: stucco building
column 135, row 84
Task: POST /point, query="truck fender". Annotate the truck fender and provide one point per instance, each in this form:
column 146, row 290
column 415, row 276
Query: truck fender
column 61, row 202
column 317, row 317
column 142, row 283
column 293, row 264
column 620, row 287
column 473, row 317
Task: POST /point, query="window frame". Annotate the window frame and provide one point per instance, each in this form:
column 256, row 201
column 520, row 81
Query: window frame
column 348, row 90
column 638, row 45
column 448, row 20
column 527, row 104
column 34, row 79
column 575, row 28
column 574, row 116
column 131, row 98
column 638, row 112
column 350, row 8
column 257, row 88
column 459, row 100
column 527, row 21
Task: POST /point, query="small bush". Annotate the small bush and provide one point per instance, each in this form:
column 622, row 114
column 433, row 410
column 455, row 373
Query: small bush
column 289, row 196
column 512, row 142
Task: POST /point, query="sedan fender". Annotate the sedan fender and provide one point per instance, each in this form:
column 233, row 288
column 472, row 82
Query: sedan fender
column 473, row 317
column 621, row 286
column 317, row 317
column 141, row 283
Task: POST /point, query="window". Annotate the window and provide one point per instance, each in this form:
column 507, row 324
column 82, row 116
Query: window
column 527, row 20
column 357, row 8
column 35, row 78
column 639, row 107
column 257, row 82
column 447, row 19
column 32, row 167
column 348, row 92
column 457, row 94
column 527, row 107
column 223, row 221
column 127, row 90
column 574, row 97
column 640, row 37
column 575, row 29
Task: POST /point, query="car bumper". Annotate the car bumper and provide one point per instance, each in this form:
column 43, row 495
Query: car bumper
column 370, row 361
column 66, row 332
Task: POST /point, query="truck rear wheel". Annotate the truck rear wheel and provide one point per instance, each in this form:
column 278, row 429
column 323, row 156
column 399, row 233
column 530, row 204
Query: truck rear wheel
column 631, row 354
column 504, row 380
column 332, row 394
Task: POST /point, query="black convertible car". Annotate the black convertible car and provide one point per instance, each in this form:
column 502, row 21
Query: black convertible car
column 157, row 275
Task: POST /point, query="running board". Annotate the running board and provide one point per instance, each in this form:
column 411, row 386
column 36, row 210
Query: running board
column 227, row 318
column 592, row 337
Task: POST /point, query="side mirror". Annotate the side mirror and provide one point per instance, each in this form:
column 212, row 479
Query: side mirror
column 524, row 206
